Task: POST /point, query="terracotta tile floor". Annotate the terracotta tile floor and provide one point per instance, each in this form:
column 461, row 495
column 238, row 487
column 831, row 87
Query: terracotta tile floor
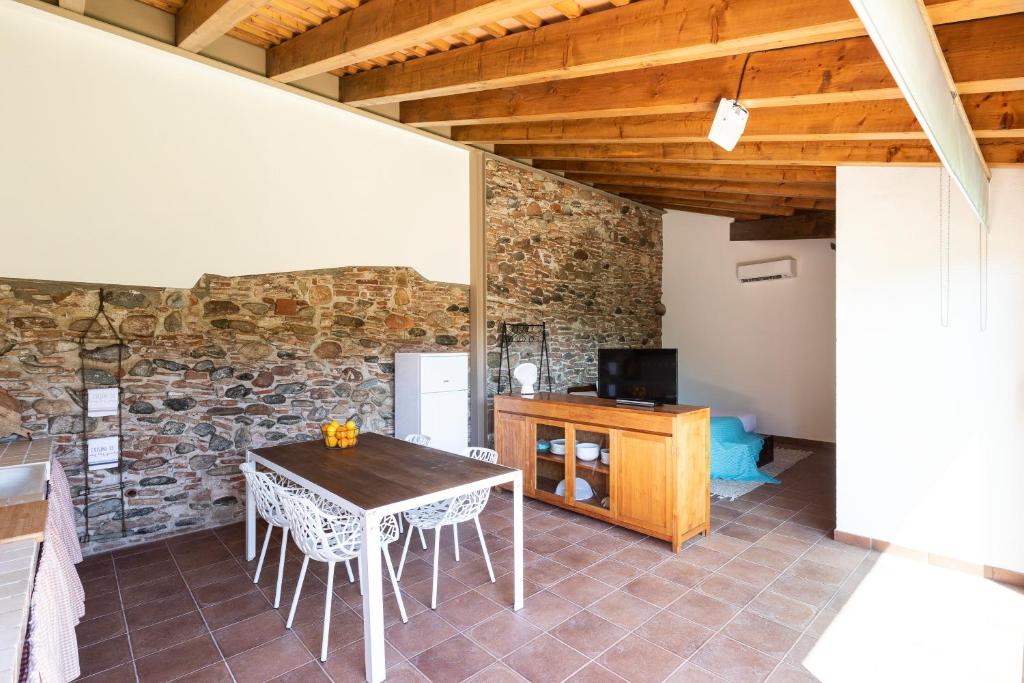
column 604, row 604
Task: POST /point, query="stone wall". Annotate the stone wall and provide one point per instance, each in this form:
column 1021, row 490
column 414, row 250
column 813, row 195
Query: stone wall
column 248, row 361
column 231, row 363
column 586, row 264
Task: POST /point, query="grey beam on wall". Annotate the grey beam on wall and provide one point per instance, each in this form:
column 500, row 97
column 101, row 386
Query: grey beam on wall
column 806, row 225
column 477, row 302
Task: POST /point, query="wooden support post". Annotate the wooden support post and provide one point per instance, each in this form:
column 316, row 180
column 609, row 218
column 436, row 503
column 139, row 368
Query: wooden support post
column 477, row 302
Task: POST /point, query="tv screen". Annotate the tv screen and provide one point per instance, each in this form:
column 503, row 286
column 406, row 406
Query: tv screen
column 637, row 374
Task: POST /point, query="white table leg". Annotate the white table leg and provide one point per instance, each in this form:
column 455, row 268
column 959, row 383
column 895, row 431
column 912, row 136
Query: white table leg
column 250, row 517
column 373, row 600
column 517, row 538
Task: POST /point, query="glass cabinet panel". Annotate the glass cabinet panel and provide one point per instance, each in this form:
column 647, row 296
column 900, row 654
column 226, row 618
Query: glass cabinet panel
column 550, row 470
column 592, row 486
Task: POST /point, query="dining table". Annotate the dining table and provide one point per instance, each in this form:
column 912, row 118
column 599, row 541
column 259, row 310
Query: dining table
column 377, row 477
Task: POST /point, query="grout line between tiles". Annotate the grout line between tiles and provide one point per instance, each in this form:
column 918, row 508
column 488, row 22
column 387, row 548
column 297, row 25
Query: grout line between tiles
column 574, row 572
column 633, row 631
column 763, row 590
column 124, row 620
column 465, row 633
column 199, row 609
column 849, row 577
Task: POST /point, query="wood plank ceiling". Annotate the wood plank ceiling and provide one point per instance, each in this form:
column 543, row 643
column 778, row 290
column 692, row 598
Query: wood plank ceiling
column 620, row 94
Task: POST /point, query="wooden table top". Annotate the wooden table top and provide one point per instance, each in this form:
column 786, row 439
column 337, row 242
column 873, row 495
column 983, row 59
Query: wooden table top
column 379, row 470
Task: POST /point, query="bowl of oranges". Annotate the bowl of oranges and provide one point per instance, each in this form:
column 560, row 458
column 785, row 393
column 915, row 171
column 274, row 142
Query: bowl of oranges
column 339, row 435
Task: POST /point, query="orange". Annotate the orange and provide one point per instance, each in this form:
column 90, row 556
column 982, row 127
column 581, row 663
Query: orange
column 331, row 442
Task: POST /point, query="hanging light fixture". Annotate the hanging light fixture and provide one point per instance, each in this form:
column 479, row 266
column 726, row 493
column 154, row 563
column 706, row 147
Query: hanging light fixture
column 730, row 118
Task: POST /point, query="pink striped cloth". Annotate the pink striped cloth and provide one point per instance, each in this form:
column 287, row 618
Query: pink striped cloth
column 58, row 599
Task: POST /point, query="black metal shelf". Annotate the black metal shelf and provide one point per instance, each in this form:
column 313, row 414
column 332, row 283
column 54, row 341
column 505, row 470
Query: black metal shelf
column 93, row 333
column 522, row 333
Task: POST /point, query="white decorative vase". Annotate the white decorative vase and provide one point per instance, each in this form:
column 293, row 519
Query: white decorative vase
column 526, row 373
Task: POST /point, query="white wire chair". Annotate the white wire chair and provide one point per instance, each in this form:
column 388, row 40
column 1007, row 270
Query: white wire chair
column 326, row 533
column 265, row 488
column 419, row 440
column 450, row 512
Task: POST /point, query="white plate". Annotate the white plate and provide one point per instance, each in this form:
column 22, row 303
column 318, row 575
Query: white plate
column 583, row 490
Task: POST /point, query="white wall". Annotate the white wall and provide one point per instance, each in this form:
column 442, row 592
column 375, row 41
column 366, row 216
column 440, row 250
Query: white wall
column 930, row 418
column 122, row 163
column 768, row 347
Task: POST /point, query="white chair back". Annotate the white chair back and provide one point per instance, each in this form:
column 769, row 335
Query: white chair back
column 418, row 439
column 480, row 453
column 469, row 505
column 324, row 537
column 265, row 492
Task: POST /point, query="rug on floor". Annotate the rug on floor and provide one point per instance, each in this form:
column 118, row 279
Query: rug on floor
column 784, row 459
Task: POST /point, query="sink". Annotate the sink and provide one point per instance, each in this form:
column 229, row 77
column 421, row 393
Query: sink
column 22, row 483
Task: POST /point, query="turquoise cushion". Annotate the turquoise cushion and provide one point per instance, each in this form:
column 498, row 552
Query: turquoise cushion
column 734, row 452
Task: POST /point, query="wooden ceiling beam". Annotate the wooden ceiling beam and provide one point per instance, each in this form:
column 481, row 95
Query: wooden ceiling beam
column 735, row 214
column 813, row 191
column 870, row 152
column 984, row 56
column 758, row 200
column 638, row 35
column 77, row 6
column 658, row 170
column 991, row 115
column 799, row 226
column 200, row 22
column 569, row 8
column 763, row 209
column 381, row 27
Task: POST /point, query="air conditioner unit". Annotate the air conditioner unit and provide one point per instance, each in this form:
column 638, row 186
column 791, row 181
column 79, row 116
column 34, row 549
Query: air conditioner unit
column 769, row 270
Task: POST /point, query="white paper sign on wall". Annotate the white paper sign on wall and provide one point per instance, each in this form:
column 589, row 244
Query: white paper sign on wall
column 103, row 452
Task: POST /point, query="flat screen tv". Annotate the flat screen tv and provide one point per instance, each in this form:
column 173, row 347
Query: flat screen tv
column 642, row 375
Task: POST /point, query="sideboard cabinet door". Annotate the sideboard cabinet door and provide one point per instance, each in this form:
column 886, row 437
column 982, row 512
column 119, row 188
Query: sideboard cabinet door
column 514, row 440
column 643, row 475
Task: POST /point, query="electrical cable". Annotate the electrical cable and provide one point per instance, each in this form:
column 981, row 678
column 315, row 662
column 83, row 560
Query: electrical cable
column 983, row 277
column 944, row 221
column 743, row 72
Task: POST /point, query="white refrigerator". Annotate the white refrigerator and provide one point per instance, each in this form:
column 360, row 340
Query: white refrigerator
column 432, row 398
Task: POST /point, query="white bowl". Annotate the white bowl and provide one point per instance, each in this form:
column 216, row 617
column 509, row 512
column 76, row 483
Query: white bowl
column 558, row 446
column 588, row 451
column 583, row 490
column 604, row 456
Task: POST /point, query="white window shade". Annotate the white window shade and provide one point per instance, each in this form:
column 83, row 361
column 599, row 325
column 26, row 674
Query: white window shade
column 901, row 31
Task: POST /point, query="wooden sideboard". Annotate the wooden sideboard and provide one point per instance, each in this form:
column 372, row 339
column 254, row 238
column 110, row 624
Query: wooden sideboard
column 657, row 480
